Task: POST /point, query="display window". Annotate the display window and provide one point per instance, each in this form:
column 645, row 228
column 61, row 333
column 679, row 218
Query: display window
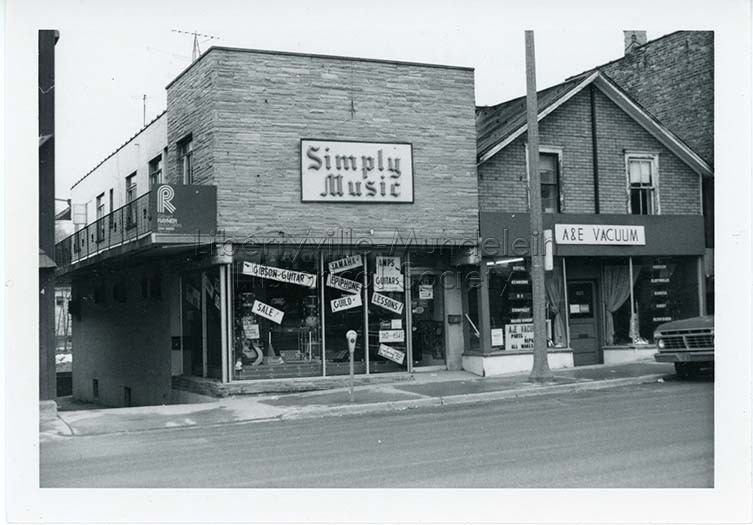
column 202, row 323
column 277, row 323
column 387, row 314
column 344, row 287
column 666, row 289
column 510, row 304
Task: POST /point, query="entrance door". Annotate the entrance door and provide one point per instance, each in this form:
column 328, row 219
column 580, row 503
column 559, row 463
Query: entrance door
column 584, row 334
column 427, row 307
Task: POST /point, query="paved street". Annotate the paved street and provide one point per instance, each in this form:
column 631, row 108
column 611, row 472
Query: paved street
column 650, row 435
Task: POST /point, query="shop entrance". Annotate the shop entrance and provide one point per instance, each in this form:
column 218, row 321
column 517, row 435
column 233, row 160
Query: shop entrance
column 427, row 307
column 584, row 331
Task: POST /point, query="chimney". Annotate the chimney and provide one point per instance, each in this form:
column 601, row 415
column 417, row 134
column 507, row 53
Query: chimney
column 634, row 39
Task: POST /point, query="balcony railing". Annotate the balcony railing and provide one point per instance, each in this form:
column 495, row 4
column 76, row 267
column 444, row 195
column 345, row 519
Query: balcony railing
column 183, row 210
column 125, row 224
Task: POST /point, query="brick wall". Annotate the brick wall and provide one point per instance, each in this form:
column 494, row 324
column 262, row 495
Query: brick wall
column 255, row 107
column 124, row 344
column 503, row 183
column 673, row 78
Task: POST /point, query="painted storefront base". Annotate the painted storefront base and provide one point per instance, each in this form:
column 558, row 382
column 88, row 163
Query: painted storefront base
column 513, row 362
column 619, row 355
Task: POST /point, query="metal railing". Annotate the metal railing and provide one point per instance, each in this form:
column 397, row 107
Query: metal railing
column 123, row 225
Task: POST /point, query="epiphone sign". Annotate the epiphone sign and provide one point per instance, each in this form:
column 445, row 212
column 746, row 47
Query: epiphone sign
column 629, row 235
column 356, row 172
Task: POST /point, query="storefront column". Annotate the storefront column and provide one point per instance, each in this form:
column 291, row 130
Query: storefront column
column 322, row 314
column 366, row 309
column 702, row 307
column 204, row 370
column 225, row 331
column 484, row 315
column 408, row 314
column 567, row 302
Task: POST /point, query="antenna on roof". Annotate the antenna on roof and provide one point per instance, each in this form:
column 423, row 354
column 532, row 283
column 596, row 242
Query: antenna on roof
column 196, row 51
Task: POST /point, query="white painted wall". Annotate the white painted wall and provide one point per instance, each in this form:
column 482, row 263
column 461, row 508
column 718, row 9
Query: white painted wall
column 132, row 157
column 496, row 365
column 615, row 356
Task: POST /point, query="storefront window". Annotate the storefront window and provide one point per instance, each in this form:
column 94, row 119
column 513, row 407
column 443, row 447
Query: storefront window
column 387, row 313
column 343, row 311
column 616, row 294
column 666, row 289
column 276, row 315
column 202, row 323
column 510, row 304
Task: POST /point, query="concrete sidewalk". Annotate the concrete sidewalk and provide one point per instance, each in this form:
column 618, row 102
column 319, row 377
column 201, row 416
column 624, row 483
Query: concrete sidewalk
column 426, row 389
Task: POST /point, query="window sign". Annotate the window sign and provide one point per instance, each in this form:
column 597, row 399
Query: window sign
column 387, row 303
column 391, row 336
column 268, row 312
column 388, row 276
column 368, row 172
column 425, row 292
column 279, row 274
column 343, row 284
column 498, row 337
column 393, row 354
column 519, row 336
column 345, row 303
column 346, row 263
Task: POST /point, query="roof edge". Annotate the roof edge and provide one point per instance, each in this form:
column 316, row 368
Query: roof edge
column 315, row 55
column 139, row 132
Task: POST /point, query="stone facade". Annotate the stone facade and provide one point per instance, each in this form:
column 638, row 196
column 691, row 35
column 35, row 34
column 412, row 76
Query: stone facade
column 247, row 112
column 503, row 182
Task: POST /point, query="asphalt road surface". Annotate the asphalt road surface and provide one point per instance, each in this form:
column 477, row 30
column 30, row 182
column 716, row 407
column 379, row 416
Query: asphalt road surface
column 653, row 435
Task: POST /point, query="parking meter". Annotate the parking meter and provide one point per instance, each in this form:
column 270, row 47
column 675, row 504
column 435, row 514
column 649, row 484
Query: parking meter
column 351, row 337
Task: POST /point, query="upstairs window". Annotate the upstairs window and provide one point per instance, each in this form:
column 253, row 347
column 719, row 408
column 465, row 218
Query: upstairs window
column 130, row 197
column 130, row 188
column 185, row 160
column 155, row 171
column 642, row 178
column 100, row 205
column 549, row 170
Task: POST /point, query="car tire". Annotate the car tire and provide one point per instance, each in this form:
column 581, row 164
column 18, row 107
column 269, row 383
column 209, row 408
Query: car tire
column 681, row 369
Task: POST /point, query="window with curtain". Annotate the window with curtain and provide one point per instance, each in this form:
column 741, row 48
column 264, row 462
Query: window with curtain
column 642, row 184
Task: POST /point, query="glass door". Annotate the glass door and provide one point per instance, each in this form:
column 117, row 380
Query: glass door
column 427, row 307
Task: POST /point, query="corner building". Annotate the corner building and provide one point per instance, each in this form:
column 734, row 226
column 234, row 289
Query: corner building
column 291, row 198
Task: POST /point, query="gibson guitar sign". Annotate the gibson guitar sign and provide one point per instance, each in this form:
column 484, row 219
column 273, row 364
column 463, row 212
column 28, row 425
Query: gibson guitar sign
column 356, row 172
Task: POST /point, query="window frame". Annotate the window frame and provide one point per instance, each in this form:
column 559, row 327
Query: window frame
column 185, row 156
column 155, row 169
column 547, row 150
column 655, row 201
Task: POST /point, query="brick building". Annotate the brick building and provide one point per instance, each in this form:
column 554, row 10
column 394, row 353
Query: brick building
column 672, row 78
column 622, row 196
column 282, row 200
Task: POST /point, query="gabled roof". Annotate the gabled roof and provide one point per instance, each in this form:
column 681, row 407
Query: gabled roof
column 497, row 126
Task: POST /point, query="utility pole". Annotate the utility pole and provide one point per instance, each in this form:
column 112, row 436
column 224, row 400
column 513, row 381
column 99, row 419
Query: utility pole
column 540, row 371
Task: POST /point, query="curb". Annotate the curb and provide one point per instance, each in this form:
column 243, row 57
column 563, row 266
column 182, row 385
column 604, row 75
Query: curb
column 462, row 399
column 322, row 411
